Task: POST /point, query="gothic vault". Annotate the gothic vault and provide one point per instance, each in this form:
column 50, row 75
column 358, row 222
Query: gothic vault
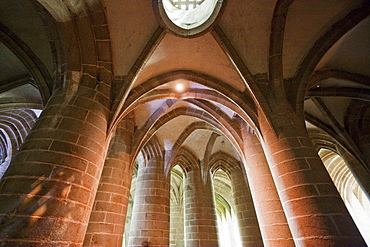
column 120, row 127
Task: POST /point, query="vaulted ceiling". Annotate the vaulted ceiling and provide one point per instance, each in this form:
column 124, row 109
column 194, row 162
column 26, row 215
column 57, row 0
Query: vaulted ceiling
column 331, row 38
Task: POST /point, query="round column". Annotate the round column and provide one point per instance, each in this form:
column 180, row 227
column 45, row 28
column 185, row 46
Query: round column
column 150, row 221
column 108, row 216
column 247, row 220
column 48, row 190
column 315, row 211
column 272, row 220
column 200, row 214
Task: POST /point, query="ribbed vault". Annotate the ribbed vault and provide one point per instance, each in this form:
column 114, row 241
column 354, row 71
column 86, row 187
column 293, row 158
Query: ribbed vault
column 308, row 58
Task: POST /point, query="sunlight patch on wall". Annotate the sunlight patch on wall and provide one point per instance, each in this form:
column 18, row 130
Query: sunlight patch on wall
column 355, row 200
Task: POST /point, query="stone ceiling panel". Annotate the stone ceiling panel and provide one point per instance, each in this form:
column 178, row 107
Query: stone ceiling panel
column 247, row 25
column 306, row 22
column 201, row 54
column 170, row 132
column 28, row 26
column 222, row 144
column 352, row 52
column 197, row 142
column 131, row 25
column 11, row 67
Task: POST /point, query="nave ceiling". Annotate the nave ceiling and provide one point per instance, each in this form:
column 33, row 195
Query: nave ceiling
column 325, row 52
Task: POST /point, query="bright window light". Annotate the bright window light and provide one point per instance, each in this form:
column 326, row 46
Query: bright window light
column 189, row 14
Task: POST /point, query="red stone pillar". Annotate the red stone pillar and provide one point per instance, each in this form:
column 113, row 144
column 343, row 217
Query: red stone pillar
column 151, row 210
column 272, row 220
column 315, row 211
column 200, row 214
column 247, row 220
column 48, row 190
column 108, row 216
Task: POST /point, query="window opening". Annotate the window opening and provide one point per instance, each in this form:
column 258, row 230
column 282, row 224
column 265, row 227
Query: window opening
column 186, row 4
column 188, row 17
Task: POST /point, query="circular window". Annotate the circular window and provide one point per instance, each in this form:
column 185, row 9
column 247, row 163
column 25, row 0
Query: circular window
column 188, row 17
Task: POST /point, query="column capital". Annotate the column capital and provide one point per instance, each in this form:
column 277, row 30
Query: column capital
column 152, row 149
column 222, row 160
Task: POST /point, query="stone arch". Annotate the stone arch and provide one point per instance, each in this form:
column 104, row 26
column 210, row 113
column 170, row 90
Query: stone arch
column 186, row 160
column 152, row 149
column 32, row 62
column 246, row 113
column 89, row 59
column 322, row 45
column 229, row 96
column 187, row 112
column 222, row 160
column 357, row 123
column 15, row 126
column 190, row 129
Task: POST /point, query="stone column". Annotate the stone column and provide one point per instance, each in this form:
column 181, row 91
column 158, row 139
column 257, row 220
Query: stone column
column 272, row 220
column 108, row 216
column 48, row 190
column 247, row 220
column 150, row 221
column 200, row 214
column 177, row 225
column 315, row 211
